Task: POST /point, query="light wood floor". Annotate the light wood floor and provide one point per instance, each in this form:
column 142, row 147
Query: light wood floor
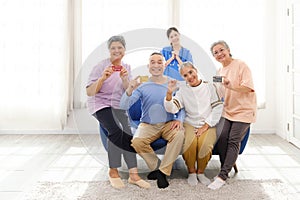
column 27, row 159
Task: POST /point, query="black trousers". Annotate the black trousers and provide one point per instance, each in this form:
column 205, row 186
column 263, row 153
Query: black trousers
column 116, row 122
column 228, row 144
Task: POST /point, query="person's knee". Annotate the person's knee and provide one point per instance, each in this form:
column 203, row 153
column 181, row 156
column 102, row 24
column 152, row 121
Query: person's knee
column 224, row 134
column 175, row 136
column 233, row 144
column 180, row 135
column 205, row 150
column 137, row 143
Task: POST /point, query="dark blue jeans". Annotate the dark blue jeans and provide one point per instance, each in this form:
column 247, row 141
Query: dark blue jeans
column 116, row 122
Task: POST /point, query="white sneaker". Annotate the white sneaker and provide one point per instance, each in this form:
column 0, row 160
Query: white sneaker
column 203, row 179
column 217, row 184
column 192, row 179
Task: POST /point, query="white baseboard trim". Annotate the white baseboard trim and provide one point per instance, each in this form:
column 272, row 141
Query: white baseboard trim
column 255, row 131
column 45, row 132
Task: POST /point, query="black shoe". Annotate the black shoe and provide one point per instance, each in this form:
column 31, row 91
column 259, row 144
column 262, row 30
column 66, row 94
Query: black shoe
column 162, row 181
column 153, row 175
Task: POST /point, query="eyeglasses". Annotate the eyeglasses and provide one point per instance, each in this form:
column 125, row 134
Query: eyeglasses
column 220, row 51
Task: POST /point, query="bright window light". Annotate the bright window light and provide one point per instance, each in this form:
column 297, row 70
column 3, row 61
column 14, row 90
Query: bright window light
column 33, row 42
column 240, row 23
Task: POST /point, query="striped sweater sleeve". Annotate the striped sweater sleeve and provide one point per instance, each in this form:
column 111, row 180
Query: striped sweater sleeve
column 216, row 106
column 172, row 106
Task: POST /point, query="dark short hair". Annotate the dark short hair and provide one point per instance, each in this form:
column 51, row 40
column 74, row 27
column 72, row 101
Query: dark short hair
column 170, row 30
column 159, row 54
column 156, row 53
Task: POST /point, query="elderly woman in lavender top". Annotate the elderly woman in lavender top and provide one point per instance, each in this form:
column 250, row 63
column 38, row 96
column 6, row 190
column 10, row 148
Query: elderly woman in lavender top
column 106, row 84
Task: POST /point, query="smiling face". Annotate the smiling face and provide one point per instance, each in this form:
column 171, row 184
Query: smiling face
column 117, row 52
column 221, row 53
column 174, row 38
column 190, row 75
column 156, row 65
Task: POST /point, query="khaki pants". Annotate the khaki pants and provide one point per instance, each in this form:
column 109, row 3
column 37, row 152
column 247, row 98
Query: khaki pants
column 147, row 133
column 198, row 149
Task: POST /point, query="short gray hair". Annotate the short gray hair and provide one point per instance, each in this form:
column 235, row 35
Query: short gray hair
column 116, row 38
column 187, row 64
column 221, row 42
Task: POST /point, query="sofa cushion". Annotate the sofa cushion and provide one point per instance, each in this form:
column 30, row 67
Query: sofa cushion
column 135, row 111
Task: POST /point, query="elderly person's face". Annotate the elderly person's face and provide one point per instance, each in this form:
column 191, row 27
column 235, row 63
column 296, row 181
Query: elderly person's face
column 190, row 75
column 156, row 65
column 220, row 53
column 117, row 51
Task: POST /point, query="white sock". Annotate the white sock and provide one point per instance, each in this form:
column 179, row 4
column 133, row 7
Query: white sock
column 192, row 179
column 203, row 179
column 217, row 184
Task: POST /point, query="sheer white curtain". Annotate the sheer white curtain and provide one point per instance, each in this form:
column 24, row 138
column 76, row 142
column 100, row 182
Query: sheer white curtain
column 34, row 64
column 102, row 19
column 242, row 24
column 37, row 49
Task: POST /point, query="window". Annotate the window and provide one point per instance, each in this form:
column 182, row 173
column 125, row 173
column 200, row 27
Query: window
column 34, row 45
column 240, row 23
column 37, row 47
column 103, row 19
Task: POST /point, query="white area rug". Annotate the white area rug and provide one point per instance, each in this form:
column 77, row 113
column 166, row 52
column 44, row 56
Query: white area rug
column 178, row 189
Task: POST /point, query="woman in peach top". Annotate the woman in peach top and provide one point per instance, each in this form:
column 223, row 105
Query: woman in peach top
column 239, row 108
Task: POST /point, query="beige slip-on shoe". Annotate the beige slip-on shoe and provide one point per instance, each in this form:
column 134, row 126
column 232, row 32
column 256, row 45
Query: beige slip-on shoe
column 141, row 183
column 116, row 182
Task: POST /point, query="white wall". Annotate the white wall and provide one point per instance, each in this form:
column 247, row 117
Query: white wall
column 266, row 117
